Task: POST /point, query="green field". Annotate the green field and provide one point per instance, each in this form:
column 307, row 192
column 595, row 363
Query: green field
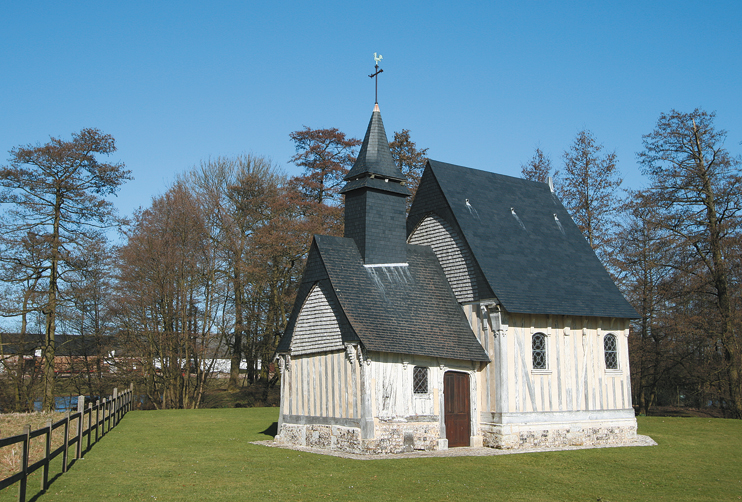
column 206, row 455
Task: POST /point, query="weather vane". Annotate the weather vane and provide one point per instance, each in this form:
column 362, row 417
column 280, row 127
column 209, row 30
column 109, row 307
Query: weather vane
column 376, row 76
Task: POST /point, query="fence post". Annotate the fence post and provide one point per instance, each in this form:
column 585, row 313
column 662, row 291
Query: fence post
column 97, row 418
column 45, row 472
column 80, row 411
column 24, row 463
column 103, row 417
column 131, row 396
column 90, row 423
column 66, row 441
column 115, row 405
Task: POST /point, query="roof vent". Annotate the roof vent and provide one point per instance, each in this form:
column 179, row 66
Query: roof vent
column 559, row 223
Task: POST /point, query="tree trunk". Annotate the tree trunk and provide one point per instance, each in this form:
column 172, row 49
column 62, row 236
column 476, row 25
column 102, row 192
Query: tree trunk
column 719, row 278
column 51, row 310
column 239, row 327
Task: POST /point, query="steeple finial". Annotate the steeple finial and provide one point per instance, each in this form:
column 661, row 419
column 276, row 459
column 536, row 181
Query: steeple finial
column 376, row 77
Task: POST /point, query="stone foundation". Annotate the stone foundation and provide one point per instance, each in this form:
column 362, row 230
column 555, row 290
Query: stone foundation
column 400, row 437
column 403, row 435
column 389, row 437
column 539, row 436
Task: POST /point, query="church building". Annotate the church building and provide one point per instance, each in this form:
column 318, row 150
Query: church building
column 483, row 318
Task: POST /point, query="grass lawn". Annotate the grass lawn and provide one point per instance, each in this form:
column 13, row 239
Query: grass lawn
column 206, row 455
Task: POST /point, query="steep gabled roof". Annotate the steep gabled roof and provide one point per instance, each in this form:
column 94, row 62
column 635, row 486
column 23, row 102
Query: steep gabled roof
column 524, row 242
column 374, row 158
column 401, row 309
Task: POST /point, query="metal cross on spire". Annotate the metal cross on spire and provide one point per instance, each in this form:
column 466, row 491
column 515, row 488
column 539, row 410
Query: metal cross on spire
column 376, row 77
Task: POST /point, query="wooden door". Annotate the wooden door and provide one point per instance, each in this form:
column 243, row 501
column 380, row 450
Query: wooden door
column 457, row 416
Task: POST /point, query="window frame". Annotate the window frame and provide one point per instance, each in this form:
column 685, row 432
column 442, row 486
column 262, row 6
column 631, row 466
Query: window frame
column 425, row 372
column 614, row 366
column 543, row 351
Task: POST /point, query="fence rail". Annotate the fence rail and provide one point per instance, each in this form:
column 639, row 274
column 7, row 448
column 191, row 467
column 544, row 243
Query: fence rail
column 108, row 412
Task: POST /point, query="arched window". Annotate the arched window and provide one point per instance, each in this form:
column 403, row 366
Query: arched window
column 420, row 380
column 538, row 349
column 611, row 354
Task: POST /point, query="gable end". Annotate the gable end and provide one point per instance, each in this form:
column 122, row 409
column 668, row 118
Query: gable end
column 317, row 328
column 454, row 257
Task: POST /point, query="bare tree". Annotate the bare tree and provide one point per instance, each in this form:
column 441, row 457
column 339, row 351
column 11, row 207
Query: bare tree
column 659, row 339
column 588, row 189
column 56, row 194
column 86, row 316
column 164, row 305
column 539, row 168
column 326, row 156
column 237, row 194
column 410, row 160
column 696, row 200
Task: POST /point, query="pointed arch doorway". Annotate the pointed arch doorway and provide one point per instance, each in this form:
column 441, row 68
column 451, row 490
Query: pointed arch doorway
column 457, row 414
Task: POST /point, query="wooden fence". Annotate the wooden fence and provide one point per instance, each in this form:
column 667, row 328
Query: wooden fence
column 108, row 413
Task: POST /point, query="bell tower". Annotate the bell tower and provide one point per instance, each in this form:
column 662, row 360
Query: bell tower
column 375, row 202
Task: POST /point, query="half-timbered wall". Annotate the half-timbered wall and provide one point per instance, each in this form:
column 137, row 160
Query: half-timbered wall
column 575, row 377
column 392, row 386
column 574, row 400
column 397, row 406
column 486, row 376
column 325, row 385
column 452, row 254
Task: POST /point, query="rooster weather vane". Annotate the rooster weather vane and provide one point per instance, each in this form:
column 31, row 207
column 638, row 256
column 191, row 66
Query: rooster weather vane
column 375, row 76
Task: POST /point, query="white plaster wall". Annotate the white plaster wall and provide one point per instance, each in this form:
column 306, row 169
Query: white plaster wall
column 392, row 385
column 392, row 390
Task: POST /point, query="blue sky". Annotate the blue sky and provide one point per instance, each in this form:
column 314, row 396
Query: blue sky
column 481, row 84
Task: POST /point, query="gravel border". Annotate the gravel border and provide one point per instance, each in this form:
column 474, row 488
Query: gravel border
column 451, row 452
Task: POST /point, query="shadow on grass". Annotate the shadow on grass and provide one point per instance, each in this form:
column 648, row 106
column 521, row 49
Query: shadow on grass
column 70, row 464
column 51, row 482
column 271, row 431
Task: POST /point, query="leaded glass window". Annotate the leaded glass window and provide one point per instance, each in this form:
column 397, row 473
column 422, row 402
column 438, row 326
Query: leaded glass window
column 538, row 348
column 611, row 354
column 420, row 380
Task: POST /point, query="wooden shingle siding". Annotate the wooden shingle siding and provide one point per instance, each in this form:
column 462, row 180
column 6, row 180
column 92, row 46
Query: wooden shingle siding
column 317, row 328
column 453, row 256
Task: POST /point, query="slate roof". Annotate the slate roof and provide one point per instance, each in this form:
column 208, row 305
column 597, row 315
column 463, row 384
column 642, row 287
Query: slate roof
column 532, row 262
column 374, row 157
column 376, row 183
column 406, row 310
